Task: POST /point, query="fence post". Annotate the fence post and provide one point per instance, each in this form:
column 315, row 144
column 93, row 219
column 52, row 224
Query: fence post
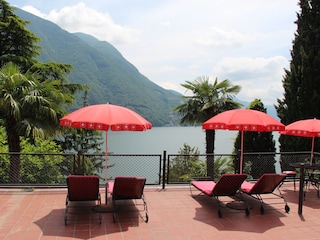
column 164, row 169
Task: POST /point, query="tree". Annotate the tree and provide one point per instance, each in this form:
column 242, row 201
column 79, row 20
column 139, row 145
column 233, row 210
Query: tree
column 83, row 141
column 4, row 159
column 33, row 95
column 206, row 101
column 36, row 168
column 301, row 82
column 187, row 165
column 257, row 142
column 17, row 44
column 222, row 165
column 27, row 108
column 41, row 168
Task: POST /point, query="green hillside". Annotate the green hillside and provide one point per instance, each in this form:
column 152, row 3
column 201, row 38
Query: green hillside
column 100, row 66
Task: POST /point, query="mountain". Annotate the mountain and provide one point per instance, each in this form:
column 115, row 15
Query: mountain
column 109, row 75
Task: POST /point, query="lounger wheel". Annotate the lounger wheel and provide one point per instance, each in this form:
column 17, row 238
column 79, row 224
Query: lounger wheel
column 261, row 210
column 247, row 212
column 147, row 218
column 287, row 208
column 220, row 213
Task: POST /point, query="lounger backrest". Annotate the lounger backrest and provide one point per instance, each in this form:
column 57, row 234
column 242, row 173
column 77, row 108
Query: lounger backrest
column 83, row 188
column 228, row 184
column 267, row 183
column 128, row 188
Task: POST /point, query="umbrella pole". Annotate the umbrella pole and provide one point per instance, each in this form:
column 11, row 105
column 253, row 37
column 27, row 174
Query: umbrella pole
column 106, row 208
column 106, row 176
column 312, row 149
column 241, row 152
column 239, row 205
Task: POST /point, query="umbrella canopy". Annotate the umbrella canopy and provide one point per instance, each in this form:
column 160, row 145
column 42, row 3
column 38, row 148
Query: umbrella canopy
column 304, row 128
column 106, row 117
column 243, row 120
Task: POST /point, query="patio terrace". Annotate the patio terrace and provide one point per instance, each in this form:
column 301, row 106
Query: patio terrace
column 173, row 214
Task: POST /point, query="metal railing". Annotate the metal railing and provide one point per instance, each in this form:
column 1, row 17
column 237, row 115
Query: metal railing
column 35, row 169
column 183, row 168
column 50, row 170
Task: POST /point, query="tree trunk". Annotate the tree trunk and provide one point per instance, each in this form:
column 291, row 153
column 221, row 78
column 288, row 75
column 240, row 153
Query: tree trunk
column 14, row 147
column 210, row 136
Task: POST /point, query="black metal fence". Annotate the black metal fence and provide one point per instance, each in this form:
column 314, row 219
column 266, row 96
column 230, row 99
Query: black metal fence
column 35, row 168
column 49, row 170
column 147, row 165
column 183, row 168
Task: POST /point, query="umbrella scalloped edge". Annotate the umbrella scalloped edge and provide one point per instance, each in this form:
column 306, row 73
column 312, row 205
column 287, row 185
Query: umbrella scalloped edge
column 105, row 127
column 253, row 128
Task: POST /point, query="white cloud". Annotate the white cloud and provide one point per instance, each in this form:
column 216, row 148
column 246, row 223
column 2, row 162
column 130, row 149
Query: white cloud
column 258, row 77
column 34, row 11
column 80, row 18
column 216, row 37
column 165, row 23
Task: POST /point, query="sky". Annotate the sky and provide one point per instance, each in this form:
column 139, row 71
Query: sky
column 247, row 42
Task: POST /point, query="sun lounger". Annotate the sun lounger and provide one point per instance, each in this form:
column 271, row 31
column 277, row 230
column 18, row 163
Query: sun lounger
column 266, row 184
column 226, row 185
column 128, row 188
column 82, row 189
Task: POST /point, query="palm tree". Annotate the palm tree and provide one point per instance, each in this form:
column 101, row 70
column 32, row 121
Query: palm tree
column 206, row 101
column 28, row 108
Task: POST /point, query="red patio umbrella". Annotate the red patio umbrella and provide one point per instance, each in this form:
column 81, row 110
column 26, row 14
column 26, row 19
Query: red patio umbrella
column 304, row 128
column 106, row 117
column 243, row 120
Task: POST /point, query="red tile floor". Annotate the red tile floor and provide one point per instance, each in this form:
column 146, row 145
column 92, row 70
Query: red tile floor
column 173, row 214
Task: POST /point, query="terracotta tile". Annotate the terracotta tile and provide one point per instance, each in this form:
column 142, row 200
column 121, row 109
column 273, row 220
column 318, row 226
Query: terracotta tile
column 173, row 214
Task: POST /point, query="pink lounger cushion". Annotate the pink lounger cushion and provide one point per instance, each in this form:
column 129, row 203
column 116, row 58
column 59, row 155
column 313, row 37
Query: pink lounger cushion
column 226, row 185
column 204, row 186
column 247, row 186
column 110, row 186
column 289, row 172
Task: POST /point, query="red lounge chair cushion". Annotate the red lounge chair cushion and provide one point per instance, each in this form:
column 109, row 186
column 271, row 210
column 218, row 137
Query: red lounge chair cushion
column 127, row 187
column 267, row 183
column 83, row 188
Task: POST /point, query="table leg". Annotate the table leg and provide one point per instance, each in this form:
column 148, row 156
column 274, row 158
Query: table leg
column 301, row 188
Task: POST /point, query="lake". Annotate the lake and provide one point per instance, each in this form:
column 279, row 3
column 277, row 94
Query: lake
column 170, row 139
column 157, row 140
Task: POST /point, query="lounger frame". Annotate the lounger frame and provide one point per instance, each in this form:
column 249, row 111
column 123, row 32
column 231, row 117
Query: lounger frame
column 128, row 188
column 266, row 184
column 82, row 189
column 226, row 185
